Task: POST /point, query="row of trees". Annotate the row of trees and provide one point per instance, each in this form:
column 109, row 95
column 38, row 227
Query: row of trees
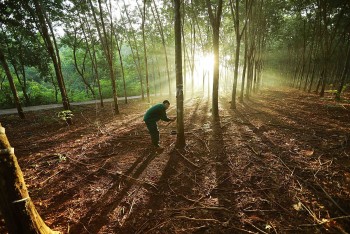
column 105, row 40
column 314, row 46
column 93, row 46
column 114, row 48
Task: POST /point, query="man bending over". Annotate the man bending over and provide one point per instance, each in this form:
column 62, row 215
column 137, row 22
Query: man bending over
column 152, row 116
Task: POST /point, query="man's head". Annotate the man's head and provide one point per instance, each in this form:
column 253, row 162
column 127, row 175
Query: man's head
column 166, row 103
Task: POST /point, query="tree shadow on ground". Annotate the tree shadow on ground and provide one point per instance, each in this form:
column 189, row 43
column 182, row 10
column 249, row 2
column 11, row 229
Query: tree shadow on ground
column 301, row 174
column 224, row 190
column 121, row 184
column 176, row 196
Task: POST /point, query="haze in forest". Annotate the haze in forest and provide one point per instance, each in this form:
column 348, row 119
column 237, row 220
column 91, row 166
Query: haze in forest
column 275, row 43
column 259, row 98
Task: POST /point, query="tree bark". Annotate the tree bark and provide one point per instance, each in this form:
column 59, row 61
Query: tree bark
column 107, row 52
column 50, row 48
column 145, row 48
column 160, row 28
column 122, row 67
column 343, row 75
column 21, row 69
column 17, row 208
column 12, row 85
column 215, row 23
column 136, row 57
column 244, row 65
column 235, row 15
column 82, row 70
column 92, row 55
column 180, row 140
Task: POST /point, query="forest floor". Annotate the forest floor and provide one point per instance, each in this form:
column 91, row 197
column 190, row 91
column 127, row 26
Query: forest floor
column 279, row 163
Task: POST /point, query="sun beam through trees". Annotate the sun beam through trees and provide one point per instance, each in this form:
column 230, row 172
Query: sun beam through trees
column 254, row 137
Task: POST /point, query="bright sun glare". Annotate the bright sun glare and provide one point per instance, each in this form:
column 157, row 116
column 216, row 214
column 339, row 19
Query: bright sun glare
column 203, row 70
column 206, row 62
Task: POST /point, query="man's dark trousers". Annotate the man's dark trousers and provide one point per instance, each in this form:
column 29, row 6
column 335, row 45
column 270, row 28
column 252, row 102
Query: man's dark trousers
column 153, row 131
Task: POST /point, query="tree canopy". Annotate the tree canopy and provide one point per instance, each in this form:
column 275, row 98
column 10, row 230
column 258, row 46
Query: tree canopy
column 108, row 48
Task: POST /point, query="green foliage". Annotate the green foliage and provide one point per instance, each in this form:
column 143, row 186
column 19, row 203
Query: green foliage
column 78, row 95
column 6, row 100
column 345, row 87
column 335, row 91
column 332, row 91
column 61, row 158
column 39, row 94
column 65, row 115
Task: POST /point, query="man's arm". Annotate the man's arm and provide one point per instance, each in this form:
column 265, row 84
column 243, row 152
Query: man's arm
column 164, row 117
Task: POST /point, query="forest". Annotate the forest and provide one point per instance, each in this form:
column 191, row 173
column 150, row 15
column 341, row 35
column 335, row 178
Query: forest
column 256, row 137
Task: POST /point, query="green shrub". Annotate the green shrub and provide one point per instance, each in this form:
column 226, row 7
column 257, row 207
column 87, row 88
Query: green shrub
column 39, row 94
column 6, row 99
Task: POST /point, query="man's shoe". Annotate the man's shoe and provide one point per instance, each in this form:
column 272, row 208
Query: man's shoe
column 159, row 150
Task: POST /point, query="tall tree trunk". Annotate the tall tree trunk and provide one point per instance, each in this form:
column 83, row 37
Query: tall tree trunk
column 310, row 59
column 244, row 65
column 22, row 84
column 235, row 15
column 108, row 45
column 12, row 85
column 21, row 69
column 54, row 87
column 122, row 67
column 186, row 56
column 312, row 77
column 303, row 62
column 160, row 28
column 154, row 78
column 92, row 55
column 180, row 140
column 249, row 72
column 50, row 48
column 107, row 52
column 184, row 50
column 324, row 78
column 159, row 78
column 344, row 73
column 193, row 56
column 135, row 54
column 82, row 70
column 319, row 81
column 16, row 206
column 215, row 20
column 145, row 48
column 328, row 36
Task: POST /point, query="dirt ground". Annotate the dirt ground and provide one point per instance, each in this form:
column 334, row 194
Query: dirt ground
column 278, row 164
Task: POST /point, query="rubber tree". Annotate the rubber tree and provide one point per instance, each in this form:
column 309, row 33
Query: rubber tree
column 344, row 73
column 90, row 43
column 234, row 7
column 118, row 44
column 143, row 14
column 19, row 54
column 16, row 206
column 161, row 31
column 107, row 49
column 215, row 20
column 80, row 65
column 180, row 140
column 135, row 52
column 43, row 24
column 12, row 84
